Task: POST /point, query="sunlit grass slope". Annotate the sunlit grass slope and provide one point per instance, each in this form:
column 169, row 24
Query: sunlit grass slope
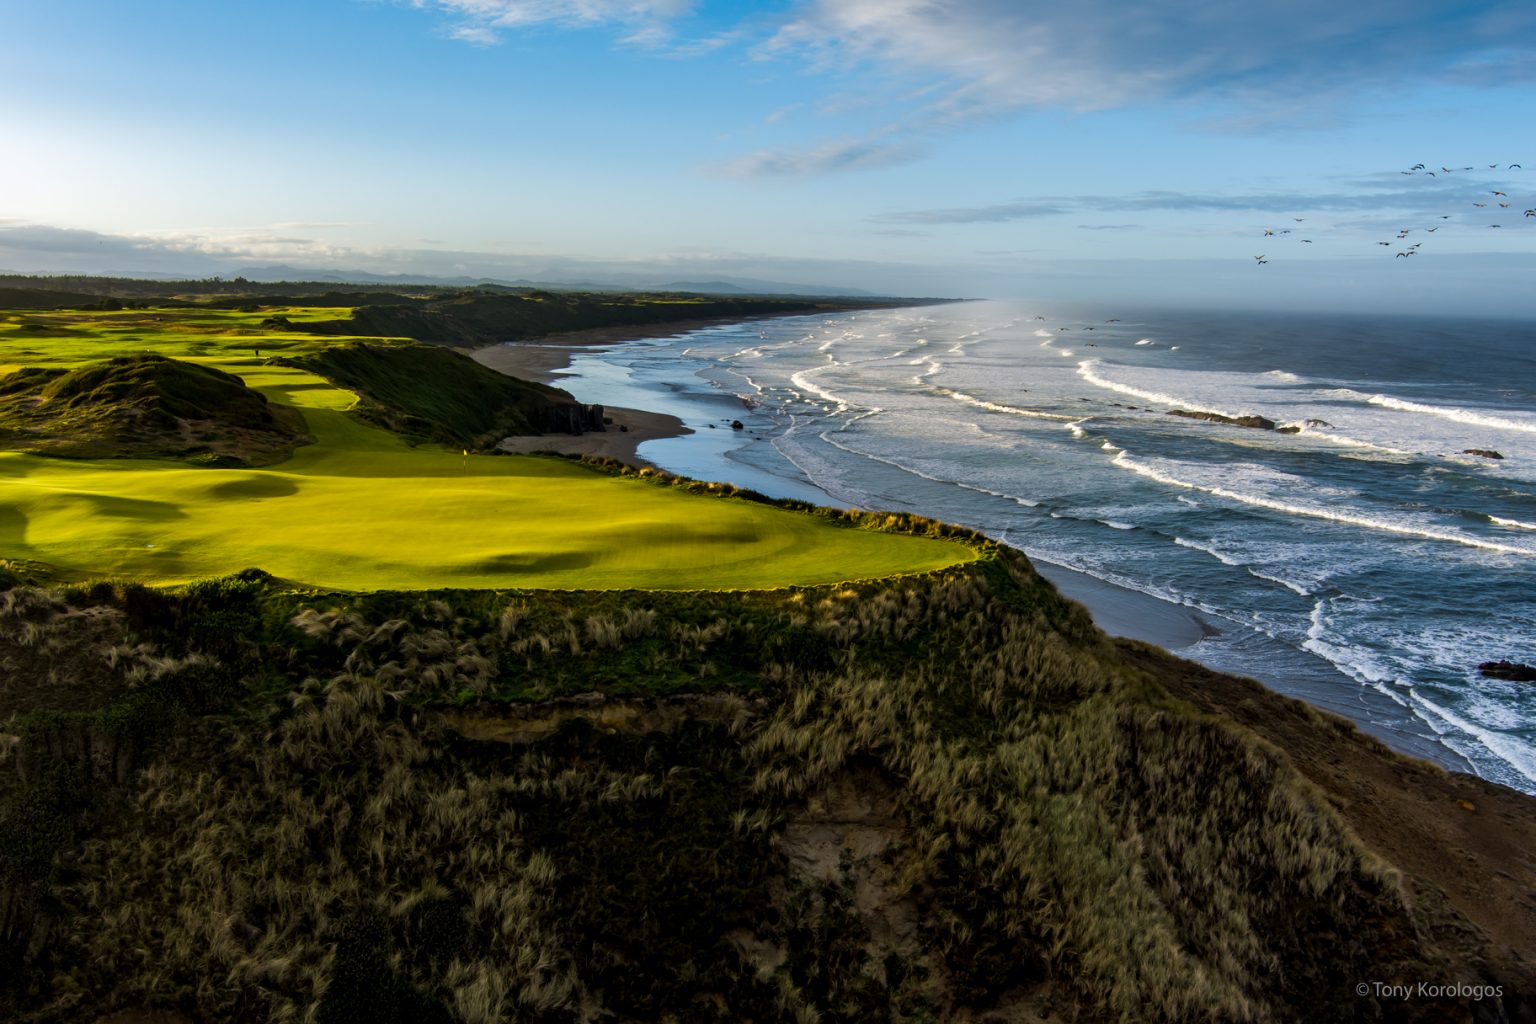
column 362, row 510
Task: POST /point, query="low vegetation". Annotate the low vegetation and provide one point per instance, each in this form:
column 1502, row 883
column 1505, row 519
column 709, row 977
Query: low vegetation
column 941, row 798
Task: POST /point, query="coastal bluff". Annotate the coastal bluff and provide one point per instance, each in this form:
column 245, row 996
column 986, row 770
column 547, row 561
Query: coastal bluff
column 944, row 796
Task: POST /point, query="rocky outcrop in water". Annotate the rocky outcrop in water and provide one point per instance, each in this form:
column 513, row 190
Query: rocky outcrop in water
column 1482, row 453
column 1296, row 428
column 1256, row 422
column 1509, row 671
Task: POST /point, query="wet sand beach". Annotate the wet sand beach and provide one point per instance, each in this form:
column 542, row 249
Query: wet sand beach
column 543, row 362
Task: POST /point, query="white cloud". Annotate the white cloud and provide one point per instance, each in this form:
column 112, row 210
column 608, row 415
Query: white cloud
column 481, row 21
column 478, row 34
column 877, row 149
column 1096, row 53
column 1297, row 64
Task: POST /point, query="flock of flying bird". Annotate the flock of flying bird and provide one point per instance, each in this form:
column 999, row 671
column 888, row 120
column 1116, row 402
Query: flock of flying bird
column 1402, row 235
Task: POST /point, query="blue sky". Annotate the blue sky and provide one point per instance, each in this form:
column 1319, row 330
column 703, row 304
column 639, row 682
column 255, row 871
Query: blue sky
column 997, row 147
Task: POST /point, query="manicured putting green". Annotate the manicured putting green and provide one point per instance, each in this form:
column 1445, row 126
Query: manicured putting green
column 360, row 510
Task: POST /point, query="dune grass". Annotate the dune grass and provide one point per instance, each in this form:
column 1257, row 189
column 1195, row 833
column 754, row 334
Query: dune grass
column 329, row 825
column 362, row 510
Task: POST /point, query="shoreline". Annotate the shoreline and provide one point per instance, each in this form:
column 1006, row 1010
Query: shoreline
column 542, row 363
column 1117, row 610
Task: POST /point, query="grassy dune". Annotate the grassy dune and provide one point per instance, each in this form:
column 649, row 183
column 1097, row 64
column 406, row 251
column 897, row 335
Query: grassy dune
column 941, row 798
column 361, row 509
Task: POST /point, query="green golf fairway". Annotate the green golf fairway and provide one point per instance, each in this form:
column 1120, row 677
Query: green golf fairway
column 361, row 510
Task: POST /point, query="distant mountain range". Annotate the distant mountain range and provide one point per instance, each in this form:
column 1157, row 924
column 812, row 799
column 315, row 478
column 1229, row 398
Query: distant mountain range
column 616, row 283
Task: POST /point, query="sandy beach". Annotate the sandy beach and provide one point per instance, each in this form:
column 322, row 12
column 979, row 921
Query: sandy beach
column 1120, row 611
column 543, row 362
column 630, row 429
column 539, row 361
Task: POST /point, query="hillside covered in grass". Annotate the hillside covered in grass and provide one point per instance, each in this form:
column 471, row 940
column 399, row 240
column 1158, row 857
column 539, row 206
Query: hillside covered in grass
column 940, row 798
column 437, row 394
column 144, row 406
column 457, row 316
column 479, row 318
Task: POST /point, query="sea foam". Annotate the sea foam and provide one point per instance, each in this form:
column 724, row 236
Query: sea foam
column 1125, row 460
column 1454, row 414
column 1088, row 371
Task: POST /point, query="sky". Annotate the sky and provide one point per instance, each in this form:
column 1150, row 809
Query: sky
column 1100, row 149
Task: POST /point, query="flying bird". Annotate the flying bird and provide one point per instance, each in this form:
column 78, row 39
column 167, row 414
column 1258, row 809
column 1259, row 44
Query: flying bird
column 1530, row 213
column 1503, row 206
column 1268, row 232
column 1308, row 241
column 1298, row 220
column 1383, row 243
column 1514, row 167
column 1496, row 193
column 1479, row 205
column 1433, row 229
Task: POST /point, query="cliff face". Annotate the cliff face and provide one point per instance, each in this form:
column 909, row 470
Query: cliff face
column 942, row 798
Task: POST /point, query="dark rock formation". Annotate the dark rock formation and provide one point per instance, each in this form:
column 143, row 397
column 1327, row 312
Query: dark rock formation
column 1296, row 428
column 570, row 418
column 1256, row 422
column 1511, row 671
column 1486, row 453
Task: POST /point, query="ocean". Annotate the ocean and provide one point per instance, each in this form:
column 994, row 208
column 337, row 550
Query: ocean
column 1365, row 563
